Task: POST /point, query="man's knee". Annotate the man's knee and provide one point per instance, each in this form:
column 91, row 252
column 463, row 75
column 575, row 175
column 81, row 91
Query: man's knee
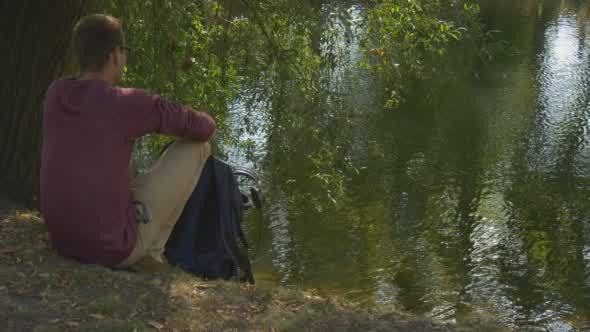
column 203, row 149
column 200, row 149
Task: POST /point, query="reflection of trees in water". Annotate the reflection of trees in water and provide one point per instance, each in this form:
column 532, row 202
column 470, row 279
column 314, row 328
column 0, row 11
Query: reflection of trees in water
column 409, row 226
column 547, row 205
column 434, row 195
column 306, row 153
column 505, row 10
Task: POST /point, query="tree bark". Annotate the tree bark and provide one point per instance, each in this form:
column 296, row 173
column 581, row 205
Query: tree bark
column 35, row 36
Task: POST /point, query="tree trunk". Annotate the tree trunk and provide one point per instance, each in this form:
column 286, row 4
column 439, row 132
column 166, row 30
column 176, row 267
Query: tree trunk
column 35, row 37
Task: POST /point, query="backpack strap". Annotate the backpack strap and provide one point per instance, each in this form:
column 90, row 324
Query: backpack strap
column 231, row 217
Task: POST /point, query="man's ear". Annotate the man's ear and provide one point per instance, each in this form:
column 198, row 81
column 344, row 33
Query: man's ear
column 114, row 57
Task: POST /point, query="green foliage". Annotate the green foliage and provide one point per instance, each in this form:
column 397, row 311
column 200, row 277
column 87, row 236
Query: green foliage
column 264, row 56
column 416, row 40
column 206, row 53
column 175, row 50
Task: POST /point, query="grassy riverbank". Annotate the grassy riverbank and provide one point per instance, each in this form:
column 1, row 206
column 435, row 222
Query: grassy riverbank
column 40, row 291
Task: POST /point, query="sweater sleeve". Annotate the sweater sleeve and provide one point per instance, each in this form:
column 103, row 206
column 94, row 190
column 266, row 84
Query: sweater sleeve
column 142, row 113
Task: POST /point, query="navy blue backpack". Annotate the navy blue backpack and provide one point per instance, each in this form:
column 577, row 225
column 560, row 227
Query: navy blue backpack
column 208, row 239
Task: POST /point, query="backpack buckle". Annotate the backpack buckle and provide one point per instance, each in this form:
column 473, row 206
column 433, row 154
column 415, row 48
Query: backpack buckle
column 142, row 214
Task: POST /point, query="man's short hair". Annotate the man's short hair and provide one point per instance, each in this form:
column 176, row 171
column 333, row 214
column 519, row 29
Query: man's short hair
column 95, row 36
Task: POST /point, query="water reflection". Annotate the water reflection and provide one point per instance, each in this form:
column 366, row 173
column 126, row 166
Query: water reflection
column 474, row 205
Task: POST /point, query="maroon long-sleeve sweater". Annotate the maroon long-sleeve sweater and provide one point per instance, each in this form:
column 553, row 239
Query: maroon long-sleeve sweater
column 89, row 129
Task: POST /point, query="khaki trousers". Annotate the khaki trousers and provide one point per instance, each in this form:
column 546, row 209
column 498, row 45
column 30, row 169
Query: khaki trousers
column 164, row 191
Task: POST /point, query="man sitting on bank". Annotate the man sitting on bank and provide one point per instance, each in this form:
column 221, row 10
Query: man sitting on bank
column 89, row 202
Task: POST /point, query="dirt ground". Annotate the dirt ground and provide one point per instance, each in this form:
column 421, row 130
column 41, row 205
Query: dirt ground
column 40, row 291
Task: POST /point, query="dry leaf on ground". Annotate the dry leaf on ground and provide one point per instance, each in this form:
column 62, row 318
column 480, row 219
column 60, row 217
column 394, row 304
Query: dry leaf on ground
column 97, row 316
column 155, row 325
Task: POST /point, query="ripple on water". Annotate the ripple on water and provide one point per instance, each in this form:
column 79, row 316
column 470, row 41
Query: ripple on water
column 478, row 207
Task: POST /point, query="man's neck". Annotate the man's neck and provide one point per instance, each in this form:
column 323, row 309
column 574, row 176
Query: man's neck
column 96, row 76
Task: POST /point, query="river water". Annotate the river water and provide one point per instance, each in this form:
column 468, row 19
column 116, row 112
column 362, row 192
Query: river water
column 477, row 205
